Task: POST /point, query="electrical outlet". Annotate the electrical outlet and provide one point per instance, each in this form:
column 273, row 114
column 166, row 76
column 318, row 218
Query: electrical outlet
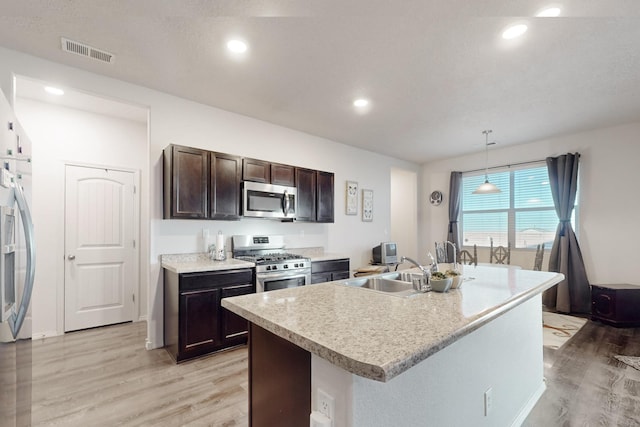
column 325, row 404
column 488, row 401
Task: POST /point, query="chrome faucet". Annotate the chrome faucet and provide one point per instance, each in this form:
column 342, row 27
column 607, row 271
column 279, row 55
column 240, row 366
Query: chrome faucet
column 453, row 246
column 423, row 285
column 434, row 263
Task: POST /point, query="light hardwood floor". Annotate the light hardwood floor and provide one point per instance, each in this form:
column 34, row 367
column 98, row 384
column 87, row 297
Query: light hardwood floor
column 586, row 385
column 104, row 377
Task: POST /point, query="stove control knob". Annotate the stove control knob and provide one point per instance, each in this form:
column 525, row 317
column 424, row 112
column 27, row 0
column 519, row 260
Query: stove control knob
column 286, row 266
column 274, row 267
column 268, row 267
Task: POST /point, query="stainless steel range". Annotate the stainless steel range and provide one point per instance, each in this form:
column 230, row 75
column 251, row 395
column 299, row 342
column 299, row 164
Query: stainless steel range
column 275, row 268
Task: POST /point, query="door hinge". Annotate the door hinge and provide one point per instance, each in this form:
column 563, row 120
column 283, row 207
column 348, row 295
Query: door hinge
column 134, row 244
column 134, row 189
column 133, row 297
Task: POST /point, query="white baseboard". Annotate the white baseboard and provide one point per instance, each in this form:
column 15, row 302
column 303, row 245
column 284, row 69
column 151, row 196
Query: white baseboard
column 524, row 413
column 44, row 334
column 149, row 345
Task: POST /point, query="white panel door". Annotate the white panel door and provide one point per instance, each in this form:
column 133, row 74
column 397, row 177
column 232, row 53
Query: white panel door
column 99, row 246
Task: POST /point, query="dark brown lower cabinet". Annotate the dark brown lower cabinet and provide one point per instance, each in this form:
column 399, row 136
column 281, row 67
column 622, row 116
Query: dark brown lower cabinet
column 195, row 323
column 279, row 381
column 329, row 270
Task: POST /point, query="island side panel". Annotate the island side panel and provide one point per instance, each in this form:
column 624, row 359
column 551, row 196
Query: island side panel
column 279, row 381
column 447, row 389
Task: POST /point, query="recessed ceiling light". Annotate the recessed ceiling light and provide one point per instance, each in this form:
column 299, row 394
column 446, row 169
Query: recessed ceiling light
column 54, row 90
column 361, row 102
column 514, row 31
column 550, row 12
column 237, row 46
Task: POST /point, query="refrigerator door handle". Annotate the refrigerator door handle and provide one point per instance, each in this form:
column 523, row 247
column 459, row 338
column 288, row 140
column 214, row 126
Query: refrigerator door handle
column 17, row 318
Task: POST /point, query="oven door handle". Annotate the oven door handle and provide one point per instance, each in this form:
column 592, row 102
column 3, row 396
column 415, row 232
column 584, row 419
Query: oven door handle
column 271, row 276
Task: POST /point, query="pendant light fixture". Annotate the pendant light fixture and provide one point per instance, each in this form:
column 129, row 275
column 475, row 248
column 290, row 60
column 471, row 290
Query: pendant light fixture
column 487, row 187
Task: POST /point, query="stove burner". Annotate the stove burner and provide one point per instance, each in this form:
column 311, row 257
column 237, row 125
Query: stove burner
column 270, row 258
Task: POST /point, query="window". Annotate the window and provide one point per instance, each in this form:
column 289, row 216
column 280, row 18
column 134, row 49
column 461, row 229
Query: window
column 522, row 213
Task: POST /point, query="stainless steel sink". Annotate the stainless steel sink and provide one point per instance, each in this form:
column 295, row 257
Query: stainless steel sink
column 396, row 284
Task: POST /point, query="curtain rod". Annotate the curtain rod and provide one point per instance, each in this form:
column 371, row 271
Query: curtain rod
column 507, row 166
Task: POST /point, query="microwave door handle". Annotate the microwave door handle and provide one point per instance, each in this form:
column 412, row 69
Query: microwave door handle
column 286, row 204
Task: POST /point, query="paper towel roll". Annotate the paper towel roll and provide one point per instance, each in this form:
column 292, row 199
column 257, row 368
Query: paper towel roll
column 220, row 241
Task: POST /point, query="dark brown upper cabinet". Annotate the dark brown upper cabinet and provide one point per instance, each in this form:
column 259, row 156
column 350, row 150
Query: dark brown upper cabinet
column 325, row 197
column 186, row 177
column 201, row 184
column 225, row 191
column 256, row 170
column 315, row 195
column 269, row 173
column 283, row 175
column 306, row 191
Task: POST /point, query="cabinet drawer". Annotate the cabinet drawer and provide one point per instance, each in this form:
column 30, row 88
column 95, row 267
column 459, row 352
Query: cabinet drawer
column 215, row 279
column 330, row 266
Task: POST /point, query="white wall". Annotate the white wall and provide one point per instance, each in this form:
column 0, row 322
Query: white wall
column 447, row 388
column 608, row 230
column 176, row 120
column 63, row 135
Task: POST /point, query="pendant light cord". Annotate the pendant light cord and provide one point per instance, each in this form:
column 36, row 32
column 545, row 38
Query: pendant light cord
column 486, row 154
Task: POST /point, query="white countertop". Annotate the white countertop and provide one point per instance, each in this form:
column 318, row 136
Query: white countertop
column 200, row 262
column 379, row 336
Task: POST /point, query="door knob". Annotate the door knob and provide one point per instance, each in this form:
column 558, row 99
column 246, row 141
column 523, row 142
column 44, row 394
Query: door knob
column 71, row 257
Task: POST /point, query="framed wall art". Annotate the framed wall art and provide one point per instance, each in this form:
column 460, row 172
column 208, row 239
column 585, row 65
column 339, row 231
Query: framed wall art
column 367, row 205
column 352, row 198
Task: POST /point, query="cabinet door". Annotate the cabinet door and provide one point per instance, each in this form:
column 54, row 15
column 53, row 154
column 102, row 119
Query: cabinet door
column 234, row 327
column 185, row 182
column 282, row 175
column 225, row 187
column 256, row 170
column 320, row 278
column 306, row 189
column 325, row 197
column 199, row 325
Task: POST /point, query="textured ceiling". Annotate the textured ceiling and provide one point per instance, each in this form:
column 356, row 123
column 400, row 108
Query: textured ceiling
column 437, row 72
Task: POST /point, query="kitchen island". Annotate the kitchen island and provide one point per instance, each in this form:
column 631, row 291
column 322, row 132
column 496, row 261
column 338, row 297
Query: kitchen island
column 430, row 359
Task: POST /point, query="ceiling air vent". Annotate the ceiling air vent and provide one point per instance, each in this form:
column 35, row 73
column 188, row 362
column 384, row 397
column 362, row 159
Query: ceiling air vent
column 86, row 50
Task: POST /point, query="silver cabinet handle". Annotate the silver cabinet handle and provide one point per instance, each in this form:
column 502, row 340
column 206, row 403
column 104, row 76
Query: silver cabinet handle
column 71, row 257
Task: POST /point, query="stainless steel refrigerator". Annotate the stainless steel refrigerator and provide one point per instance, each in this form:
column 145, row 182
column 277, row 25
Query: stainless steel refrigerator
column 17, row 270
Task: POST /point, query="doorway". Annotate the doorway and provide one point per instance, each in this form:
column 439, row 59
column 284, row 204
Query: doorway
column 404, row 212
column 101, row 267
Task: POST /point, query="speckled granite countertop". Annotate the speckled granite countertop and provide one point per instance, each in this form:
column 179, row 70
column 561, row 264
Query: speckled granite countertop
column 327, row 256
column 379, row 336
column 317, row 254
column 199, row 262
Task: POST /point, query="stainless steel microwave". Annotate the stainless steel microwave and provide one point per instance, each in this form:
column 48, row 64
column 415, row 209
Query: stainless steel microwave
column 261, row 200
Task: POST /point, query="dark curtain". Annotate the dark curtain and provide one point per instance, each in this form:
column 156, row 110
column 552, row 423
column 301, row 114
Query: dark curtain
column 572, row 295
column 453, row 235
